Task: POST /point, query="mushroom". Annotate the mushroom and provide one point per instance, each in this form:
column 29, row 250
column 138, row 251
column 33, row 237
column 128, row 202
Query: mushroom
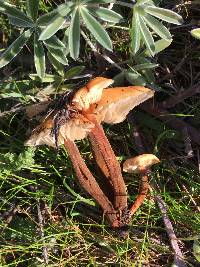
column 78, row 115
column 140, row 164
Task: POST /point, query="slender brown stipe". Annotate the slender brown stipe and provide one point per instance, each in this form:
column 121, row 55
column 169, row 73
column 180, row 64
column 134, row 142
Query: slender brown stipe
column 88, row 182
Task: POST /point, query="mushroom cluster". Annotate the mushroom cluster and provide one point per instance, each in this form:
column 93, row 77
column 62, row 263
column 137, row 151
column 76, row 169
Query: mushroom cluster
column 79, row 114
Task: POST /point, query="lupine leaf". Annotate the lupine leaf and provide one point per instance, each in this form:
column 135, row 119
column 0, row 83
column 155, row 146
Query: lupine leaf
column 135, row 32
column 146, row 36
column 164, row 14
column 14, row 48
column 56, row 64
column 196, row 33
column 96, row 29
column 74, row 71
column 54, row 42
column 39, row 57
column 54, row 25
column 32, row 8
column 56, row 21
column 11, row 10
column 105, row 14
column 74, row 35
column 58, row 54
column 19, row 22
column 157, row 27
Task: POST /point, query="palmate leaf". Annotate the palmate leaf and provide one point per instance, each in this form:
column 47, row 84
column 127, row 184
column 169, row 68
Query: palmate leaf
column 96, row 29
column 164, row 14
column 39, row 57
column 12, row 11
column 105, row 14
column 144, row 13
column 14, row 48
column 56, row 22
column 32, row 8
column 74, row 35
column 134, row 77
column 45, row 19
column 142, row 2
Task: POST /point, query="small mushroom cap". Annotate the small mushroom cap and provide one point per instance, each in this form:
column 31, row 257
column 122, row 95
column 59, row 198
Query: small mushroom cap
column 116, row 102
column 139, row 163
column 91, row 93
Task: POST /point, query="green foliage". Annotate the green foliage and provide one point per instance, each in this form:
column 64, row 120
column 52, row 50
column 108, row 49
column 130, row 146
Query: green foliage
column 196, row 249
column 89, row 16
column 196, row 33
column 11, row 162
column 145, row 25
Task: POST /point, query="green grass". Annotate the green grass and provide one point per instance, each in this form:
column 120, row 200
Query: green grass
column 74, row 231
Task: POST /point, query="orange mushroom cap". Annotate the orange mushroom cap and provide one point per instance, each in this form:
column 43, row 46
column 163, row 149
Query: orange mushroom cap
column 141, row 162
column 116, row 102
column 108, row 105
column 91, row 93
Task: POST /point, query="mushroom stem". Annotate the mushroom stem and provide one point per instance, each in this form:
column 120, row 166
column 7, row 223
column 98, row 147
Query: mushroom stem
column 98, row 137
column 88, row 182
column 144, row 188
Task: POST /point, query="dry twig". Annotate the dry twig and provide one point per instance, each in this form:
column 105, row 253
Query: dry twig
column 41, row 225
